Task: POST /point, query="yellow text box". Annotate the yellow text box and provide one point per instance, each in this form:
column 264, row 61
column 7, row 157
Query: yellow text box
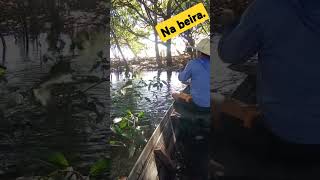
column 181, row 22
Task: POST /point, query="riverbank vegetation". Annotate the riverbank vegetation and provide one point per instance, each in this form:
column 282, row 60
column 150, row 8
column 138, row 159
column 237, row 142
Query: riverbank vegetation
column 134, row 21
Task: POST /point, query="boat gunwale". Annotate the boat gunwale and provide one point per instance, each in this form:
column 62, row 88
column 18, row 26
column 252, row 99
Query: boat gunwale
column 147, row 151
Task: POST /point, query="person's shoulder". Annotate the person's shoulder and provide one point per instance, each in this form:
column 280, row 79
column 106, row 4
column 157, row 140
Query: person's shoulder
column 196, row 61
column 259, row 10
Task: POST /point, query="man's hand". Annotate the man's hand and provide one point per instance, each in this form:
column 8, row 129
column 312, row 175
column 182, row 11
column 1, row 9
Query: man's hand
column 184, row 63
column 182, row 96
column 182, row 66
column 247, row 113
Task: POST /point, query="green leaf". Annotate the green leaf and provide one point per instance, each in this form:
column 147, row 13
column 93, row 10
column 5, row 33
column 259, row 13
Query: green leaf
column 112, row 142
column 126, row 135
column 99, row 167
column 117, row 143
column 123, row 124
column 141, row 114
column 129, row 113
column 58, row 159
column 116, row 129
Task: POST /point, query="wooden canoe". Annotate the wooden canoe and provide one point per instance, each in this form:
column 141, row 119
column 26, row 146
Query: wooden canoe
column 155, row 160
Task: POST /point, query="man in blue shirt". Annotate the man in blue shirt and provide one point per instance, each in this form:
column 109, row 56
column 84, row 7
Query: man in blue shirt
column 287, row 40
column 198, row 71
column 195, row 122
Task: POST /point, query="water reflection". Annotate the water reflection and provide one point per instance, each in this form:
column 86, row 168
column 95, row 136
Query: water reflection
column 171, row 77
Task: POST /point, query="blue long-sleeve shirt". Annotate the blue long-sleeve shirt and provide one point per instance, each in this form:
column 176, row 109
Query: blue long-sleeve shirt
column 198, row 70
column 286, row 36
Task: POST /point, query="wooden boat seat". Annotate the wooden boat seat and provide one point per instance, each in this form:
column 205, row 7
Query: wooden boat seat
column 242, row 111
column 246, row 113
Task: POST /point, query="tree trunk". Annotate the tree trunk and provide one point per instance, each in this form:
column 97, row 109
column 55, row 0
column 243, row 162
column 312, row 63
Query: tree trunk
column 192, row 44
column 159, row 74
column 169, row 75
column 169, row 57
column 27, row 40
column 4, row 45
column 25, row 34
column 156, row 44
column 119, row 48
column 168, row 43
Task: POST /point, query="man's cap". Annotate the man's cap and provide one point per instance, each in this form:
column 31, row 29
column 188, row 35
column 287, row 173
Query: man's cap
column 204, row 46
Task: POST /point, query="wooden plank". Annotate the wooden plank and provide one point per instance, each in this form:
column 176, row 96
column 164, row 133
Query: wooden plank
column 146, row 163
column 173, row 140
column 164, row 157
column 150, row 171
column 165, row 166
column 164, row 140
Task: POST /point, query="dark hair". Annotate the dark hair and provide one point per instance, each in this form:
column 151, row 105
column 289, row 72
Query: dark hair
column 204, row 55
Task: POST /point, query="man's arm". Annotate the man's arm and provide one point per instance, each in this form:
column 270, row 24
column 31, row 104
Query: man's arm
column 243, row 41
column 185, row 75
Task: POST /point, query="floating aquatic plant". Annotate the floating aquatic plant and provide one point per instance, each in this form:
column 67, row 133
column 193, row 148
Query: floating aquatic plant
column 129, row 130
